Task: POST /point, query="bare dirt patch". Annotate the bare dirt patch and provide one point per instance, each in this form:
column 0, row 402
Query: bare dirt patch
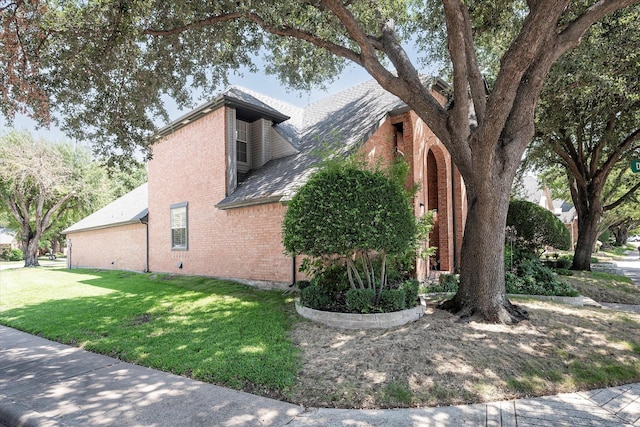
column 440, row 361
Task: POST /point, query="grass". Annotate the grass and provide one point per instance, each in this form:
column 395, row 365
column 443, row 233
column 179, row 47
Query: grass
column 605, row 287
column 207, row 329
column 233, row 335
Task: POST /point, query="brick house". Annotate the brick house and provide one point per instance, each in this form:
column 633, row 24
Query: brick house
column 221, row 175
column 8, row 239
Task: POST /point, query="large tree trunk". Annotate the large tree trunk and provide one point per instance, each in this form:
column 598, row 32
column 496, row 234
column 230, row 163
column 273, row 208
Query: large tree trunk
column 482, row 290
column 587, row 237
column 31, row 253
column 30, row 242
column 586, row 199
column 621, row 233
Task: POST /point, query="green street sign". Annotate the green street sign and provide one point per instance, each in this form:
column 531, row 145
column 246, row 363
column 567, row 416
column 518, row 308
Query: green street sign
column 635, row 165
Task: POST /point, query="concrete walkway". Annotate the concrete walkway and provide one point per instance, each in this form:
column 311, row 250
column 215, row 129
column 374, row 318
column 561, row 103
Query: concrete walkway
column 43, row 383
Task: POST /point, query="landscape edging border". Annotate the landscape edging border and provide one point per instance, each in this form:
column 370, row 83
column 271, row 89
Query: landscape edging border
column 362, row 321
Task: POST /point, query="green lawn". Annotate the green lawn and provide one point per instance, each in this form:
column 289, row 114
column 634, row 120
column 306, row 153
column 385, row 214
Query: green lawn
column 211, row 330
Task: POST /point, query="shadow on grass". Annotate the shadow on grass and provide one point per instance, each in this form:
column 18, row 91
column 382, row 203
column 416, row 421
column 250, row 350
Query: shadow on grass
column 207, row 329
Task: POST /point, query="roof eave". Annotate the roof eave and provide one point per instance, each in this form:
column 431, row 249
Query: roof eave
column 219, row 101
column 192, row 115
column 103, row 226
column 271, row 114
column 249, row 202
column 141, row 218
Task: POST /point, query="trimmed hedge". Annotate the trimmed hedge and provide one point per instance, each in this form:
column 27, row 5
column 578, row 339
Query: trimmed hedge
column 360, row 300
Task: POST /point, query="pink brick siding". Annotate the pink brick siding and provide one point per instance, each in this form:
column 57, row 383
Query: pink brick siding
column 415, row 143
column 118, row 248
column 245, row 243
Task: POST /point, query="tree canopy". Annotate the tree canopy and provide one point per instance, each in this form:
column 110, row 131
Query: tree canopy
column 588, row 123
column 46, row 186
column 106, row 66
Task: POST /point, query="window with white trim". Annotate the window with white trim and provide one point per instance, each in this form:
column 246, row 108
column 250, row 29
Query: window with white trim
column 242, row 141
column 179, row 226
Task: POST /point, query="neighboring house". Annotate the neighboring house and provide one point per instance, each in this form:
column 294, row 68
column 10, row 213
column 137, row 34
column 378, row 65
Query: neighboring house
column 221, row 175
column 8, row 239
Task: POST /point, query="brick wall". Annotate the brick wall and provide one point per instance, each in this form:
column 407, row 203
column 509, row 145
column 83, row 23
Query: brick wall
column 119, row 248
column 245, row 243
column 412, row 139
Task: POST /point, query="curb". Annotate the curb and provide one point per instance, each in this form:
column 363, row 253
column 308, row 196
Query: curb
column 16, row 415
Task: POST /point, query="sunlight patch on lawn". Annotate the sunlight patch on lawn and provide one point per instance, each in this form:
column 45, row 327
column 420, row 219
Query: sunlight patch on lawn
column 252, row 349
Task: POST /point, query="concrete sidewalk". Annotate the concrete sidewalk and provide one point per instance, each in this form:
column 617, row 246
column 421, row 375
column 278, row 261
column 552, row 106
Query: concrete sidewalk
column 43, row 383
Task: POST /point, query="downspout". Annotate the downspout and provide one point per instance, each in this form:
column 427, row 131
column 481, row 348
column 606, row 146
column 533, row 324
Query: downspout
column 69, row 253
column 293, row 271
column 145, row 220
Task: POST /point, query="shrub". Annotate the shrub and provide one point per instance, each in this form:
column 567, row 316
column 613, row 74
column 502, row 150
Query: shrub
column 314, row 297
column 12, row 254
column 332, row 278
column 360, row 300
column 349, row 211
column 410, row 288
column 536, row 227
column 564, row 262
column 447, row 283
column 533, row 278
column 393, row 300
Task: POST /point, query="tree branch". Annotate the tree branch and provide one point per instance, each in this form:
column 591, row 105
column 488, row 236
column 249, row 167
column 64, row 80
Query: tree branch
column 459, row 117
column 622, row 198
column 572, row 34
column 13, row 208
column 207, row 22
column 476, row 81
column 623, row 147
column 572, row 165
column 44, row 224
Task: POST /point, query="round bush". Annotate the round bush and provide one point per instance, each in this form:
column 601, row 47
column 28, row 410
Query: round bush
column 313, row 296
column 536, row 227
column 392, row 300
column 342, row 209
column 411, row 288
column 12, row 254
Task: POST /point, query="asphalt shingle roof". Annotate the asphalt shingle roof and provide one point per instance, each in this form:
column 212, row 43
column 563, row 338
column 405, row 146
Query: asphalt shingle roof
column 339, row 122
column 128, row 209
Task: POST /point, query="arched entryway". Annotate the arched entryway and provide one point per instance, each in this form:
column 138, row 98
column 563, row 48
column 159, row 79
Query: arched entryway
column 432, row 205
column 437, row 201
